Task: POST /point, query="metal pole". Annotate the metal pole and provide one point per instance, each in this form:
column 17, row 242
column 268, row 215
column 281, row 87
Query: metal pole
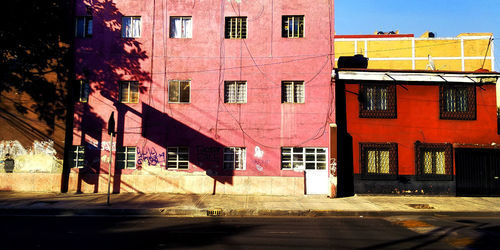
column 110, row 163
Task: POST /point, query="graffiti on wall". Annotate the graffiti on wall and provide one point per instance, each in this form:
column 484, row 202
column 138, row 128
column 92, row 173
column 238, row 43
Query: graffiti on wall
column 259, row 162
column 150, row 156
column 105, row 145
column 40, row 158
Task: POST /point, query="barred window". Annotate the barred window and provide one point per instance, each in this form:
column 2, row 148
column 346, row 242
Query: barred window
column 292, row 92
column 292, row 26
column 78, row 156
column 181, row 27
column 131, row 26
column 377, row 101
column 303, row 158
column 236, row 28
column 433, row 161
column 178, row 157
column 457, row 102
column 235, row 92
column 179, row 91
column 84, row 26
column 379, row 160
column 235, row 158
column 129, row 92
column 125, row 157
column 83, row 93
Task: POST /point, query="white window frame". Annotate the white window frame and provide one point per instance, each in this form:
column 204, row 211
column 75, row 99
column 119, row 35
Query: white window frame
column 126, row 151
column 129, row 97
column 176, row 152
column 238, row 158
column 87, row 26
column 298, row 158
column 294, row 98
column 179, row 87
column 131, row 31
column 290, row 30
column 78, row 156
column 235, row 94
column 236, row 27
column 186, row 27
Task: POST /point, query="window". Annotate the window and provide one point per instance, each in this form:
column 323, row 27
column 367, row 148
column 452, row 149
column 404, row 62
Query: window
column 235, row 158
column 131, row 26
column 83, row 93
column 179, row 91
column 457, row 102
column 303, row 158
column 377, row 101
column 379, row 160
column 292, row 26
column 236, row 27
column 129, row 92
column 235, row 92
column 292, row 92
column 433, row 161
column 78, row 156
column 181, row 27
column 125, row 157
column 178, row 157
column 83, row 26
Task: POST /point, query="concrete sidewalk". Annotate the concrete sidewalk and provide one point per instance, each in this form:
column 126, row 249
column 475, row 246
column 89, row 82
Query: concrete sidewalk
column 132, row 204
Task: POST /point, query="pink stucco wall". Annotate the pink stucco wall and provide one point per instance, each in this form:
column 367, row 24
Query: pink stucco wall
column 264, row 59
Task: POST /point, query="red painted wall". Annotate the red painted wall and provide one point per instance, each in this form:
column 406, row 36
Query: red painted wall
column 418, row 119
column 264, row 59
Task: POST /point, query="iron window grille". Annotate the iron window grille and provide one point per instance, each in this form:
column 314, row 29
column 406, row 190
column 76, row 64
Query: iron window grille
column 78, row 156
column 457, row 102
column 83, row 93
column 236, row 28
column 83, row 26
column 235, row 92
column 179, row 91
column 126, row 157
column 292, row 92
column 129, row 92
column 303, row 158
column 292, row 26
column 178, row 157
column 433, row 161
column 235, row 158
column 377, row 101
column 181, row 27
column 131, row 26
column 379, row 160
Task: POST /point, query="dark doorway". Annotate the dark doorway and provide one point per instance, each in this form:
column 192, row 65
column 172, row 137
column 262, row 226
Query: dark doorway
column 478, row 172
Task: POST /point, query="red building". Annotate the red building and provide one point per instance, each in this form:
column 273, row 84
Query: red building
column 417, row 132
column 208, row 96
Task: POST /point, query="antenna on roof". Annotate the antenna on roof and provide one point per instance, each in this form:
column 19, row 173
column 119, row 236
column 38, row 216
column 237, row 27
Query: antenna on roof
column 430, row 64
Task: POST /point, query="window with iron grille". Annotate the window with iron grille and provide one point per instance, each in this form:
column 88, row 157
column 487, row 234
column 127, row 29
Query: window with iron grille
column 179, row 91
column 377, row 101
column 78, row 156
column 178, row 157
column 433, row 161
column 457, row 102
column 379, row 160
column 129, row 92
column 235, row 158
column 84, row 26
column 303, row 158
column 292, row 26
column 235, row 92
column 236, row 28
column 181, row 27
column 125, row 157
column 83, row 91
column 131, row 26
column 292, row 92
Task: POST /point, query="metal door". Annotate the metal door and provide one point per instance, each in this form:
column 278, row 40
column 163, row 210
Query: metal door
column 477, row 172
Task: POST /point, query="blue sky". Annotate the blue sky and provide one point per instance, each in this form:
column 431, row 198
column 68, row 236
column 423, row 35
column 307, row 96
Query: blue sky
column 446, row 18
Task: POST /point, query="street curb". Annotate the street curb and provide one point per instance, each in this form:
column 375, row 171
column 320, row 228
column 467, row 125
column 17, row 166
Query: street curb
column 231, row 213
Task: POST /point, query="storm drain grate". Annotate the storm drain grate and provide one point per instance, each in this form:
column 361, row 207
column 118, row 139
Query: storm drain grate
column 214, row 212
column 420, row 206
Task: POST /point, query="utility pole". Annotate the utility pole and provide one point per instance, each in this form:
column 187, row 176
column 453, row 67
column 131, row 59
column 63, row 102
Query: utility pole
column 111, row 131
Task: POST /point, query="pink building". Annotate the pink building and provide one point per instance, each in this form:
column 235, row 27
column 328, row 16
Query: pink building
column 227, row 96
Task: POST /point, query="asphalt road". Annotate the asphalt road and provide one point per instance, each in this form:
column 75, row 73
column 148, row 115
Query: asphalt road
column 399, row 232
